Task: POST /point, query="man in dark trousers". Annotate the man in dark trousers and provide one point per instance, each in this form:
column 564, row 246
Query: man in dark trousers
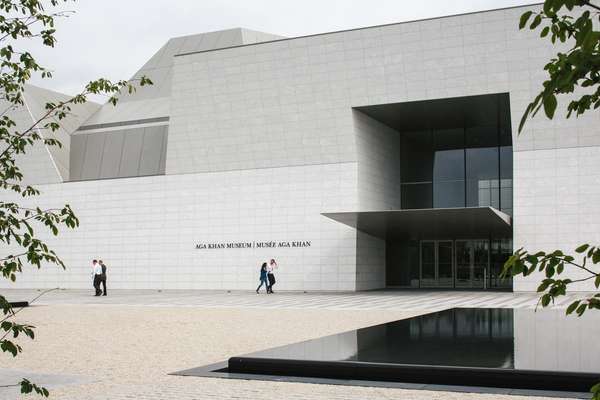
column 97, row 276
column 103, row 277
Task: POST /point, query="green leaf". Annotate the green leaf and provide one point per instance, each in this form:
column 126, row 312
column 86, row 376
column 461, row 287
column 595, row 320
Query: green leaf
column 536, row 22
column 581, row 309
column 525, row 116
column 595, row 391
column 550, row 104
column 573, row 306
column 544, row 285
column 545, row 300
column 545, row 31
column 596, row 256
column 524, row 19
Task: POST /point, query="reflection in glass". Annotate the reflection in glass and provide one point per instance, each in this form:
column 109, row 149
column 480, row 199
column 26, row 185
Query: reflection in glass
column 427, row 262
column 472, row 258
column 449, row 165
column 445, row 263
column 448, row 194
column 438, row 171
column 506, row 177
column 483, row 187
column 500, row 250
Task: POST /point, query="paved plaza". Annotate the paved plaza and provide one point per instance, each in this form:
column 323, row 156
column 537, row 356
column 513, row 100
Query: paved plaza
column 124, row 346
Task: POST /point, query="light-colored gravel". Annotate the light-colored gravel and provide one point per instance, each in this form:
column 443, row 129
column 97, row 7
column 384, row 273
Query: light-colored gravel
column 129, row 350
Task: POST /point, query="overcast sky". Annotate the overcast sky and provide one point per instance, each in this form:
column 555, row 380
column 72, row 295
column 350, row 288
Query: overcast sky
column 114, row 38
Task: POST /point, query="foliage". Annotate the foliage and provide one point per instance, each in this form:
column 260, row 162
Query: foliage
column 22, row 21
column 553, row 265
column 570, row 22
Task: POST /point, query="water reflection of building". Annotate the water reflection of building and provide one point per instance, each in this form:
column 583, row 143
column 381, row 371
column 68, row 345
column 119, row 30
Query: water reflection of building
column 550, row 340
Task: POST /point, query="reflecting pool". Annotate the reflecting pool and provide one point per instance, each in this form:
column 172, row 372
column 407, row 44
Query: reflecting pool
column 501, row 347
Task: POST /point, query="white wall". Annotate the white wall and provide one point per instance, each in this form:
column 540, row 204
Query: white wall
column 370, row 262
column 288, row 103
column 146, row 229
column 557, row 192
column 378, row 152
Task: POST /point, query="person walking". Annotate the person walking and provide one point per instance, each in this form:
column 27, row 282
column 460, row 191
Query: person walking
column 263, row 278
column 103, row 277
column 271, row 275
column 97, row 273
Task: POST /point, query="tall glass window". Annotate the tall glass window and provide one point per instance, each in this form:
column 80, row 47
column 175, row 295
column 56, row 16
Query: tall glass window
column 506, row 179
column 466, row 167
column 416, row 170
column 448, row 168
column 449, row 178
column 483, row 186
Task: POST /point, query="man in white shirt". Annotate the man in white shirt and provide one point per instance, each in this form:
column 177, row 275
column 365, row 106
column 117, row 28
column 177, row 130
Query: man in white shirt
column 97, row 273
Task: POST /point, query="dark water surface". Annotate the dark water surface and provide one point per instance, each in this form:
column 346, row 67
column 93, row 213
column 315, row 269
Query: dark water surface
column 499, row 338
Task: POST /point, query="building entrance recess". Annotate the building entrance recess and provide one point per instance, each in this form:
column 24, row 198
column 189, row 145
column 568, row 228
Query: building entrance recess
column 468, row 264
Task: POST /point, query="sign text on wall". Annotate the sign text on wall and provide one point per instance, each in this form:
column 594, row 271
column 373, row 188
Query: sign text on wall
column 253, row 245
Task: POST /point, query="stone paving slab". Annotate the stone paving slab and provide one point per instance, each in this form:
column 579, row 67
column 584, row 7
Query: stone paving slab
column 374, row 300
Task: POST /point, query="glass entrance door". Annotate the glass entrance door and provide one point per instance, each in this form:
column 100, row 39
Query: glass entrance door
column 437, row 263
column 472, row 263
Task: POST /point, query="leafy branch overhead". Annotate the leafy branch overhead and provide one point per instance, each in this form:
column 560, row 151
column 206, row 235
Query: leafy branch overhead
column 553, row 265
column 563, row 21
column 20, row 21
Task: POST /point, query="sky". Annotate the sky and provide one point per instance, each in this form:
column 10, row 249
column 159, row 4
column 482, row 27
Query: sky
column 114, row 38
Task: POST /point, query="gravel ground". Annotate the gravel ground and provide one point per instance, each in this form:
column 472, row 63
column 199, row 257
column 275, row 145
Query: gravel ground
column 126, row 352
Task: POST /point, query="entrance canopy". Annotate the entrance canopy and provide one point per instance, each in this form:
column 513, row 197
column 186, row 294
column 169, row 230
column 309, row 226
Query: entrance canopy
column 434, row 223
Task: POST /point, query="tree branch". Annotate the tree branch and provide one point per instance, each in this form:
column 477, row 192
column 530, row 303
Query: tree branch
column 591, row 5
column 20, row 309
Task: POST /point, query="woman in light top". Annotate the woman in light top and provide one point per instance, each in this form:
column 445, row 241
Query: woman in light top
column 271, row 275
column 263, row 278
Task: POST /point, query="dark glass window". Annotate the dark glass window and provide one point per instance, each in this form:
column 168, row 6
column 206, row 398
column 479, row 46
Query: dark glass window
column 482, row 136
column 449, row 165
column 416, row 195
column 448, row 194
column 448, row 139
column 449, row 172
column 460, row 155
column 416, row 157
column 506, row 179
column 506, row 162
column 483, row 187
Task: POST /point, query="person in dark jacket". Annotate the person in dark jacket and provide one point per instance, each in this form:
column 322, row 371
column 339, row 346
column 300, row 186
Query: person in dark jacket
column 263, row 278
column 103, row 277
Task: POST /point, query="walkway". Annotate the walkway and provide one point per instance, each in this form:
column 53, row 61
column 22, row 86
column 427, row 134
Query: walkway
column 375, row 300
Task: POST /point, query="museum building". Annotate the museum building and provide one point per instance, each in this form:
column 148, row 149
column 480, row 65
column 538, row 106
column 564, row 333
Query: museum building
column 379, row 157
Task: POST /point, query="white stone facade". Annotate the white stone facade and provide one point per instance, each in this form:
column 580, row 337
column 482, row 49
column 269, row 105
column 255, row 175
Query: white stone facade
column 146, row 229
column 263, row 138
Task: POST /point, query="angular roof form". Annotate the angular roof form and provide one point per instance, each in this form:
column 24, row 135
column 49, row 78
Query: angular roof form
column 42, row 163
column 153, row 101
